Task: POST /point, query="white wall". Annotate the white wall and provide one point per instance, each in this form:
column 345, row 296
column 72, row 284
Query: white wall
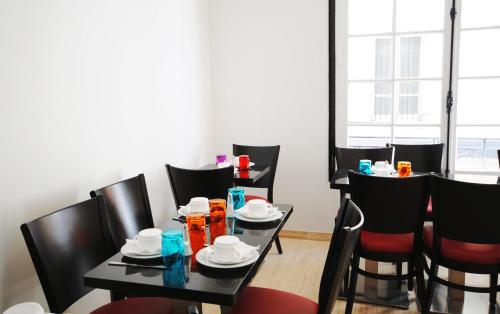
column 270, row 86
column 92, row 92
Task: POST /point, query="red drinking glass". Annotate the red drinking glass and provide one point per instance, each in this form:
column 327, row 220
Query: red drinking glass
column 217, row 218
column 244, row 162
column 197, row 232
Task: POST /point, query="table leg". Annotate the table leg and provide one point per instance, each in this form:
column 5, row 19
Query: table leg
column 458, row 278
column 370, row 283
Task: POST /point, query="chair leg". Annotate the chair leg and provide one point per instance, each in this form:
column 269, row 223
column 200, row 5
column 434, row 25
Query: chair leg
column 346, row 280
column 429, row 292
column 419, row 274
column 411, row 274
column 493, row 288
column 278, row 245
column 399, row 272
column 352, row 284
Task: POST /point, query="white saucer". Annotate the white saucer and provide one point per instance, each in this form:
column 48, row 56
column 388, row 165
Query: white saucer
column 129, row 252
column 245, row 212
column 184, row 210
column 203, row 257
column 250, row 165
column 277, row 214
column 212, row 258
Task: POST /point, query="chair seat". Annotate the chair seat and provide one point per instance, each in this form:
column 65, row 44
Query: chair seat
column 387, row 243
column 148, row 305
column 254, row 197
column 467, row 252
column 263, row 300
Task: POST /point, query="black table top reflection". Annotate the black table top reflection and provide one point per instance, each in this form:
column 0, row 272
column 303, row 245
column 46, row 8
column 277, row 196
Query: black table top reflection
column 186, row 279
column 250, row 176
column 340, row 181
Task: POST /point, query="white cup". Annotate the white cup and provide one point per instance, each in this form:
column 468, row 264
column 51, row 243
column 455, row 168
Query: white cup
column 148, row 240
column 258, row 208
column 198, row 205
column 226, row 248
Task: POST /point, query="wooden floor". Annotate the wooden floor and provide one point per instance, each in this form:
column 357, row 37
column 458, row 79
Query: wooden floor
column 298, row 271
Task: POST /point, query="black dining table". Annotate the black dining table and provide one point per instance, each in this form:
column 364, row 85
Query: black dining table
column 198, row 283
column 245, row 177
column 387, row 293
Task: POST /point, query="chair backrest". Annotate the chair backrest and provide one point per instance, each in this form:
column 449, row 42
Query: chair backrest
column 189, row 183
column 127, row 208
column 345, row 237
column 348, row 158
column 391, row 204
column 261, row 156
column 66, row 244
column 498, row 153
column 463, row 211
column 423, row 158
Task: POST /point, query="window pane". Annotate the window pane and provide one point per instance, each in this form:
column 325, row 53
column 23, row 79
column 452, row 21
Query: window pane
column 480, row 13
column 479, row 53
column 370, row 16
column 410, row 12
column 419, row 56
column 418, row 102
column 478, row 101
column 369, row 102
column 369, row 58
column 417, row 135
column 477, row 148
column 368, row 136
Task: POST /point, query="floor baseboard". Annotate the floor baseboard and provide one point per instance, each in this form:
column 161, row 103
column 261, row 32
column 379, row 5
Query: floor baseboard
column 306, row 235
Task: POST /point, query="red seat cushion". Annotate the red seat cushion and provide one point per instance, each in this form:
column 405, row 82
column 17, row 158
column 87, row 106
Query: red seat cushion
column 254, row 197
column 467, row 252
column 387, row 243
column 263, row 300
column 149, row 305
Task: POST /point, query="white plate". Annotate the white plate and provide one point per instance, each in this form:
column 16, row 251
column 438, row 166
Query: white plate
column 183, row 211
column 275, row 216
column 129, row 252
column 209, row 256
column 201, row 257
column 250, row 164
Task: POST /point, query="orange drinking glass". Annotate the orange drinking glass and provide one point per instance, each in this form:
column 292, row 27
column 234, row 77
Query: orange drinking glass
column 197, row 233
column 404, row 168
column 217, row 218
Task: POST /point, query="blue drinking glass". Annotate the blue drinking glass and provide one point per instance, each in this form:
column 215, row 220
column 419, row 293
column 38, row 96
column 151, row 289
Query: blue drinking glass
column 172, row 246
column 365, row 166
column 238, row 195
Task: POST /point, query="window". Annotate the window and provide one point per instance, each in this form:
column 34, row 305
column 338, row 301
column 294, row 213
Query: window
column 394, row 72
column 478, row 83
column 391, row 88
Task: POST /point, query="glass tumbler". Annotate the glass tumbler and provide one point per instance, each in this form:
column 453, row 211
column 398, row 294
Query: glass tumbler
column 238, row 195
column 217, row 218
column 197, row 232
column 404, row 168
column 244, row 162
column 365, row 166
column 172, row 246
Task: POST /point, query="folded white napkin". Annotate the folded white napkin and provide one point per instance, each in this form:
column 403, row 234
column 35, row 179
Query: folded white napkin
column 245, row 212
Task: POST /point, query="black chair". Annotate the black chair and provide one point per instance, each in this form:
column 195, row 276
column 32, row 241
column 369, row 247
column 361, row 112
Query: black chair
column 68, row 243
column 465, row 235
column 423, row 158
column 348, row 158
column 262, row 156
column 345, row 236
column 127, row 208
column 498, row 153
column 394, row 215
column 189, row 183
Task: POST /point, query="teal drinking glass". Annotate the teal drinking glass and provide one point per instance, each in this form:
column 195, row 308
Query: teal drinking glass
column 175, row 274
column 365, row 166
column 238, row 195
column 172, row 246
